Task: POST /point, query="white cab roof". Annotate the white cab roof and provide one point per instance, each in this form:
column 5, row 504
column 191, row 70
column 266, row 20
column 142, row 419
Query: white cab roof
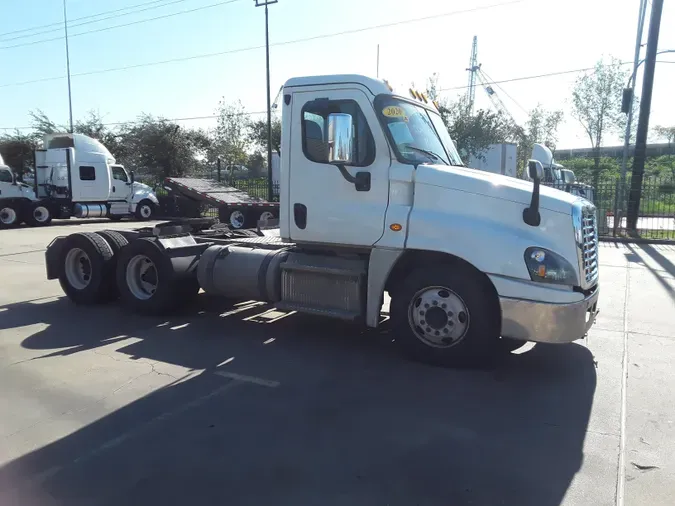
column 376, row 86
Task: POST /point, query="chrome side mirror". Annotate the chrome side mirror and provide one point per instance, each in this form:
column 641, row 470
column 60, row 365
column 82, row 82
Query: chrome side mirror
column 340, row 138
column 535, row 170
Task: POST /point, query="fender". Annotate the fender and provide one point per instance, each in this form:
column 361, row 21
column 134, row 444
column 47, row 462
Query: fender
column 142, row 192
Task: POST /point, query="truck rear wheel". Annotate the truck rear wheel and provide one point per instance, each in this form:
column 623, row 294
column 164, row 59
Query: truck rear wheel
column 38, row 215
column 445, row 316
column 9, row 216
column 86, row 268
column 236, row 219
column 147, row 282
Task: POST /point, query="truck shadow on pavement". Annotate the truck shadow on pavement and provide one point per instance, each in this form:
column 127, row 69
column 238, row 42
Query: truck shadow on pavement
column 302, row 411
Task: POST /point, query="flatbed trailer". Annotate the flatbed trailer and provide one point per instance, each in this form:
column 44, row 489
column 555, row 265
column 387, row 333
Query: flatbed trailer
column 236, row 208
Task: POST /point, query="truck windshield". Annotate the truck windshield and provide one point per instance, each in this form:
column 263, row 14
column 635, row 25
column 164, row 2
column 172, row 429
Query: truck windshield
column 417, row 134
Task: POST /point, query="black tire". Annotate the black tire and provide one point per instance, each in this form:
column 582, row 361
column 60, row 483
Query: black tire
column 476, row 347
column 170, row 289
column 507, row 345
column 144, row 207
column 97, row 268
column 116, row 241
column 10, row 215
column 38, row 215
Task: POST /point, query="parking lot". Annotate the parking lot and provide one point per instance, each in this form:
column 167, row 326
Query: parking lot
column 246, row 405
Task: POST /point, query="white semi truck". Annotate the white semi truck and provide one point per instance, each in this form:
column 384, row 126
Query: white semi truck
column 557, row 175
column 75, row 175
column 373, row 200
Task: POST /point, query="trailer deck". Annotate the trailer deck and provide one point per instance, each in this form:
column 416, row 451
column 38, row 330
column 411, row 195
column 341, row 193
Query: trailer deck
column 213, row 192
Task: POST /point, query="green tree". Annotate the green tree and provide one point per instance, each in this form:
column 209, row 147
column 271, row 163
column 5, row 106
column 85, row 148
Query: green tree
column 666, row 133
column 17, row 151
column 473, row 133
column 160, row 148
column 541, row 127
column 258, row 134
column 596, row 104
column 231, row 138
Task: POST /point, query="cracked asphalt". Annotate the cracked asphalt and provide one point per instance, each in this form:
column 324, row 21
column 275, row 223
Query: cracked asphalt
column 247, row 405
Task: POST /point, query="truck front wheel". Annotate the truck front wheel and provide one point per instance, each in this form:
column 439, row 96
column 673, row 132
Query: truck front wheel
column 445, row 315
column 145, row 210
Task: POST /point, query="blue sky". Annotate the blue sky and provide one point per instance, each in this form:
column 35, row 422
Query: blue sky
column 515, row 38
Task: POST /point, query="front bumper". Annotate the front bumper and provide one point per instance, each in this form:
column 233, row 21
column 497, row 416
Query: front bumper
column 544, row 322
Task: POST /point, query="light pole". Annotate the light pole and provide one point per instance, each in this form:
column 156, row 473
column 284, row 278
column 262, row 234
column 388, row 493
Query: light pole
column 70, row 98
column 270, row 189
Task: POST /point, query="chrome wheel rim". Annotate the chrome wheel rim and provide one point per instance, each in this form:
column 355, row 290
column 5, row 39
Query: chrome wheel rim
column 146, row 211
column 141, row 277
column 78, row 269
column 438, row 317
column 7, row 216
column 41, row 214
column 266, row 216
column 237, row 219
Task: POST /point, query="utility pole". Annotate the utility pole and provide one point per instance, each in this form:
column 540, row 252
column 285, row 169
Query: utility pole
column 643, row 120
column 270, row 187
column 377, row 72
column 473, row 68
column 620, row 196
column 70, row 97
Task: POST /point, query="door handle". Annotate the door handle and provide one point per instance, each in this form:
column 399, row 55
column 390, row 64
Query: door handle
column 300, row 215
column 113, row 189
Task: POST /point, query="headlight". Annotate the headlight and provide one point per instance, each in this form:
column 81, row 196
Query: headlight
column 548, row 267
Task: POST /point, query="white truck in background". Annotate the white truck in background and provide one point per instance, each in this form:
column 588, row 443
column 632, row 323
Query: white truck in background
column 374, row 199
column 558, row 176
column 497, row 158
column 74, row 176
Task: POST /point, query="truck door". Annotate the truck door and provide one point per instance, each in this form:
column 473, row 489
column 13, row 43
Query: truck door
column 121, row 184
column 91, row 182
column 323, row 206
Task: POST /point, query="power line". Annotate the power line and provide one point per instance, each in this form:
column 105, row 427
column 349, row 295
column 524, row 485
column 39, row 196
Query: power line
column 106, row 28
column 275, row 44
column 59, row 23
column 134, row 122
column 59, row 26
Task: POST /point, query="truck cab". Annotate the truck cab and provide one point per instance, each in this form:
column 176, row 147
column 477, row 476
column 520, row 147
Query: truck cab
column 375, row 201
column 80, row 176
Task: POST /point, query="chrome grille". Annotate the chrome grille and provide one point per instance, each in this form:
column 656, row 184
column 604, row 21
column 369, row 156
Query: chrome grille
column 589, row 245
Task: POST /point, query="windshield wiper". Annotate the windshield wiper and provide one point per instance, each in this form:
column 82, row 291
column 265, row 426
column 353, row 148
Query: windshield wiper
column 430, row 154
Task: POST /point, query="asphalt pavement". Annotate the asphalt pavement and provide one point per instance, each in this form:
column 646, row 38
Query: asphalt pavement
column 245, row 405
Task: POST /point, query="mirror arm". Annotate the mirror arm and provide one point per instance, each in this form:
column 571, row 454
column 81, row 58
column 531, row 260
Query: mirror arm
column 345, row 173
column 531, row 214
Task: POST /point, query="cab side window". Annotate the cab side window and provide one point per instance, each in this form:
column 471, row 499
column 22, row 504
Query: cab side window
column 5, row 176
column 87, row 173
column 120, row 174
column 315, row 131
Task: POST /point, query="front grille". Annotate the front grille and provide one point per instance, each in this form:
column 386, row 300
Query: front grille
column 589, row 245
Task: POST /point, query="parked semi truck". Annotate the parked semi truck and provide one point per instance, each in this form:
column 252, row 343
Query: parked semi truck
column 558, row 176
column 374, row 200
column 75, row 175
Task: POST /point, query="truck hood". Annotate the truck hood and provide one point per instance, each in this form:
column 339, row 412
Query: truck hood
column 494, row 186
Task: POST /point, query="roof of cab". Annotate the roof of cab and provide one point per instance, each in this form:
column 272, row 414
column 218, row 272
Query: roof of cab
column 376, row 86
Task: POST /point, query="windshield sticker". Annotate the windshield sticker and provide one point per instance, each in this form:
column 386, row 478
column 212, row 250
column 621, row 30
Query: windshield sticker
column 393, row 111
